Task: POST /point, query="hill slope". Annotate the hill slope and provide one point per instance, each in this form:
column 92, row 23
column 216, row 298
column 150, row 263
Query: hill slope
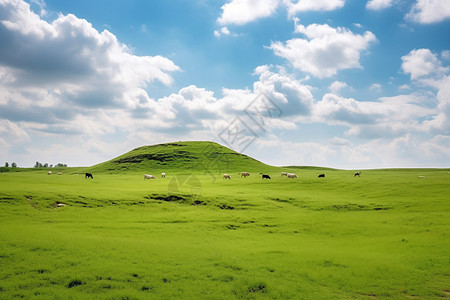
column 179, row 156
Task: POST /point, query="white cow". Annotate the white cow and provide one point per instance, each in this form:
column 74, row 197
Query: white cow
column 49, row 173
column 226, row 176
column 284, row 174
column 147, row 176
column 59, row 173
column 163, row 175
column 291, row 175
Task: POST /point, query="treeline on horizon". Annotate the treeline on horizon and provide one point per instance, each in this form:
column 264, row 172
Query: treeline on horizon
column 37, row 165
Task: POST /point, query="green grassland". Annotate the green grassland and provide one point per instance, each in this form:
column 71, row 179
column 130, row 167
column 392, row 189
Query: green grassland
column 194, row 235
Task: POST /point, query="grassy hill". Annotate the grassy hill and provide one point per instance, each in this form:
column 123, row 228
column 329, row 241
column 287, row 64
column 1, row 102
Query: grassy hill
column 180, row 156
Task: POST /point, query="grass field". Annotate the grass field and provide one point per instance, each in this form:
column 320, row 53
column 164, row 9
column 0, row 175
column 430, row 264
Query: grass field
column 192, row 235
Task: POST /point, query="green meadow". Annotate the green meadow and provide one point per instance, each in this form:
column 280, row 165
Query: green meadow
column 194, row 235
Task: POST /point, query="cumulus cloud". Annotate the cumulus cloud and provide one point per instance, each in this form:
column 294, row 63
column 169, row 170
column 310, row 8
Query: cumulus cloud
column 337, row 86
column 405, row 150
column 69, row 52
column 429, row 11
column 379, row 4
column 50, row 72
column 292, row 96
column 240, row 12
column 325, row 50
column 280, row 93
column 440, row 122
column 223, row 31
column 295, row 7
column 390, row 116
column 422, row 62
column 427, row 70
column 11, row 133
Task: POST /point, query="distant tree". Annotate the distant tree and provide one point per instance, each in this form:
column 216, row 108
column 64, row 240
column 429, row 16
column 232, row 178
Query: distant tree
column 60, row 165
column 46, row 165
column 36, row 165
column 51, row 166
column 6, row 165
column 13, row 165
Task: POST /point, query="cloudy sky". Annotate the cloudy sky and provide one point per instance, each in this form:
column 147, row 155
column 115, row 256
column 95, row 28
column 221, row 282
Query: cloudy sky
column 339, row 83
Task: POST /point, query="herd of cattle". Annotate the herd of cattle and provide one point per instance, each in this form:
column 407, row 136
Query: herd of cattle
column 266, row 176
column 245, row 174
column 225, row 176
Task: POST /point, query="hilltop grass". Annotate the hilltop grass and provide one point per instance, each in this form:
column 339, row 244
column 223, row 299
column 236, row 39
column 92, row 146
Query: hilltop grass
column 382, row 236
column 192, row 156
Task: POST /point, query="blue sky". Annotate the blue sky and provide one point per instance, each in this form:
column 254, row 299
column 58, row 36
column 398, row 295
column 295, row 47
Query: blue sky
column 347, row 84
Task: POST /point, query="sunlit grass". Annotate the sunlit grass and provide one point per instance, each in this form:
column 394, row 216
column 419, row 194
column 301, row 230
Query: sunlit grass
column 383, row 236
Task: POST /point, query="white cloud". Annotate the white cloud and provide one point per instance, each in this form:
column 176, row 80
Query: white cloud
column 296, row 6
column 73, row 50
column 375, row 87
column 223, row 31
column 59, row 71
column 65, row 79
column 429, row 11
column 426, row 69
column 422, row 62
column 337, row 86
column 325, row 51
column 388, row 117
column 292, row 96
column 406, row 150
column 12, row 133
column 445, row 54
column 42, row 5
column 240, row 12
column 379, row 4
column 440, row 122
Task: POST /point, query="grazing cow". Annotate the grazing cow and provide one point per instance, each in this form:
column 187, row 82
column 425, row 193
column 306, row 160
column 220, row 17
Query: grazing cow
column 357, row 174
column 244, row 174
column 226, row 176
column 163, row 175
column 59, row 173
column 49, row 173
column 88, row 175
column 147, row 176
column 291, row 175
column 284, row 174
column 321, row 176
column 265, row 176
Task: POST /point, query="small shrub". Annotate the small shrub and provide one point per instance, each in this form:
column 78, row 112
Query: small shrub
column 74, row 283
column 259, row 287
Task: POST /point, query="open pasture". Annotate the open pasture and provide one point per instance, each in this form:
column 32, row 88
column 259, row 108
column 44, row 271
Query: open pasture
column 384, row 235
